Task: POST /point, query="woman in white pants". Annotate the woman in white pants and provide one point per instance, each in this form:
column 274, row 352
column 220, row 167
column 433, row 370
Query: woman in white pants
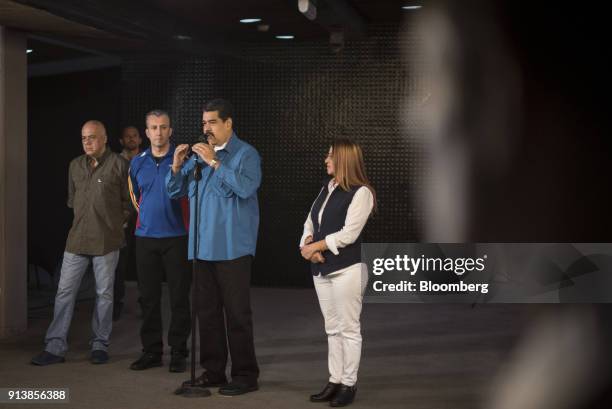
column 332, row 243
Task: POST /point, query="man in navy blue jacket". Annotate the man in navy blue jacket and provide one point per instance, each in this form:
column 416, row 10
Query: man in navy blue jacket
column 161, row 247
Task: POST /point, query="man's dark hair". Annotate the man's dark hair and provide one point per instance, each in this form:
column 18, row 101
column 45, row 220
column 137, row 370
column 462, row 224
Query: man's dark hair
column 125, row 128
column 157, row 113
column 225, row 108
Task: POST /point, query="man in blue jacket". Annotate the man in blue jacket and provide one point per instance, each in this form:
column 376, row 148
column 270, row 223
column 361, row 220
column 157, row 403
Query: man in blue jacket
column 161, row 247
column 228, row 217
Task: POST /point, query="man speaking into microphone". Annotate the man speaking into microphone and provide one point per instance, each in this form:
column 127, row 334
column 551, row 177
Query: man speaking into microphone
column 226, row 240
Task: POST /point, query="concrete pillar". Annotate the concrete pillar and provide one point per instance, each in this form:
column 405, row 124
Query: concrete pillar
column 13, row 182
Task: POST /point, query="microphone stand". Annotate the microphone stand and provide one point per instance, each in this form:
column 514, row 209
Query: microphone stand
column 189, row 389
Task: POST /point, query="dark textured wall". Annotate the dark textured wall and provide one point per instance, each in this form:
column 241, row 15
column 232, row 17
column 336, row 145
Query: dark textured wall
column 291, row 100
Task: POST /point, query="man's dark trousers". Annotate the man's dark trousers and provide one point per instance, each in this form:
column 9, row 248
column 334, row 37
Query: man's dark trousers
column 127, row 262
column 153, row 257
column 224, row 286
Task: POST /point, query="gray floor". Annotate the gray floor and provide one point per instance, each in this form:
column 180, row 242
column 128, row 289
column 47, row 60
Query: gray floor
column 414, row 355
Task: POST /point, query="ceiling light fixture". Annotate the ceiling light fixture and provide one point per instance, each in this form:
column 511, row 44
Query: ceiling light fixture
column 308, row 8
column 285, row 37
column 250, row 20
column 29, row 50
column 411, row 7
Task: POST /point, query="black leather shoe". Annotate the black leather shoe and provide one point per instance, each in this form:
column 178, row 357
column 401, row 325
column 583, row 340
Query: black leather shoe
column 47, row 358
column 203, row 381
column 344, row 396
column 237, row 388
column 327, row 393
column 178, row 363
column 146, row 361
column 98, row 357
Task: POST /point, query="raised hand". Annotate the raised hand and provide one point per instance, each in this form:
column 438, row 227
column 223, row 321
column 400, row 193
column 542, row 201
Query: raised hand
column 205, row 151
column 179, row 157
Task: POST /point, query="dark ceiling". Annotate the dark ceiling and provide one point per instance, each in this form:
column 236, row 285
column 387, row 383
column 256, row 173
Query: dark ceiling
column 118, row 28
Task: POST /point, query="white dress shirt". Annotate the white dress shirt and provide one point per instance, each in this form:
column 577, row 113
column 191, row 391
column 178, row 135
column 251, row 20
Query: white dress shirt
column 356, row 217
column 218, row 148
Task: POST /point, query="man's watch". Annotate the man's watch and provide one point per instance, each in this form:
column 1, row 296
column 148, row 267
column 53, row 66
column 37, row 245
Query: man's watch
column 213, row 163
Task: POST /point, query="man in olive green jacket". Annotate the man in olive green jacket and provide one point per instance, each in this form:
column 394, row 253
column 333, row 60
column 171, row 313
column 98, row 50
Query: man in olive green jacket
column 98, row 194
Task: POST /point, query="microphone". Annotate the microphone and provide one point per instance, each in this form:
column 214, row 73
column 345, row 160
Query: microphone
column 203, row 138
column 197, row 170
column 200, row 139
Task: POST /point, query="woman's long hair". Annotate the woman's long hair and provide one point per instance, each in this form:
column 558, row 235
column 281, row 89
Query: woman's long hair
column 349, row 168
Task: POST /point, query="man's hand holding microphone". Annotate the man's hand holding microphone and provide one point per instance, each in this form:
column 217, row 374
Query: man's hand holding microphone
column 205, row 151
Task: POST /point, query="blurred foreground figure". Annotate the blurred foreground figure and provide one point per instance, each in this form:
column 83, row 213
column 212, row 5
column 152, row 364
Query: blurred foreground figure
column 509, row 103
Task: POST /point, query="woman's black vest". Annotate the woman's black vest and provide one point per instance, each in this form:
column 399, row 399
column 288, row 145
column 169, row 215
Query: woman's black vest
column 332, row 220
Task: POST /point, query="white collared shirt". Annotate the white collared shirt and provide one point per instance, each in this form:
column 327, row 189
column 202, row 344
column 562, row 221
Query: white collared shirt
column 356, row 217
column 218, row 148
